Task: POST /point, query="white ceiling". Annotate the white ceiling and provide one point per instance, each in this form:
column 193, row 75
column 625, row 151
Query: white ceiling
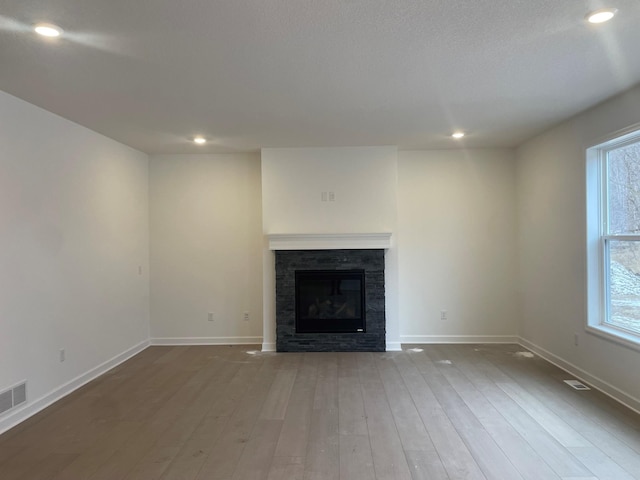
column 284, row 73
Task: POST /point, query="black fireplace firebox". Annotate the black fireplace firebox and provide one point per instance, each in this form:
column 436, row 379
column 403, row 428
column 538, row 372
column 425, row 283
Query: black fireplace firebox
column 330, row 301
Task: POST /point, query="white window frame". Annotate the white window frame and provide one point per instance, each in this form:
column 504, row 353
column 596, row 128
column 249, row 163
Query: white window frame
column 597, row 236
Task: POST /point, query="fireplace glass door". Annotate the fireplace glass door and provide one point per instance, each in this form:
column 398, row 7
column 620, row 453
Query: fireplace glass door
column 330, row 301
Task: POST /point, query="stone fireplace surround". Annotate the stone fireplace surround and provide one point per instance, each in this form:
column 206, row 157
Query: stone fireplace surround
column 325, row 252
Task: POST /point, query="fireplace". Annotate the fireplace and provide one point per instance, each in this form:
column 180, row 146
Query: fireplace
column 330, row 300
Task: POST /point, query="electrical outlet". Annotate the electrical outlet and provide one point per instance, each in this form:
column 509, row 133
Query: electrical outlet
column 332, row 196
column 246, row 316
column 63, row 355
column 443, row 314
column 323, row 196
column 210, row 317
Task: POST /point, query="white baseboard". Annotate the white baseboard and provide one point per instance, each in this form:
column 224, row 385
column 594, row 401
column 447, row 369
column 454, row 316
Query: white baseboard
column 34, row 406
column 268, row 347
column 597, row 383
column 206, row 341
column 459, row 339
column 393, row 347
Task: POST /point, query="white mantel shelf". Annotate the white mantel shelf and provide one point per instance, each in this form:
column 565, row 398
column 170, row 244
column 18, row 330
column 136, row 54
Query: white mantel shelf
column 329, row 241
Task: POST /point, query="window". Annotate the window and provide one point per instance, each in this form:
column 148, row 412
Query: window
column 613, row 238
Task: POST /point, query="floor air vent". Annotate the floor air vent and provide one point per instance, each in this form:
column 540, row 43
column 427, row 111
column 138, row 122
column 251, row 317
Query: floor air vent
column 13, row 397
column 575, row 384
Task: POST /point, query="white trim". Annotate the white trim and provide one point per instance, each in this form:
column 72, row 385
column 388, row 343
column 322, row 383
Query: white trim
column 622, row 238
column 597, row 239
column 268, row 347
column 175, row 341
column 615, row 335
column 328, row 241
column 594, row 224
column 595, row 382
column 459, row 339
column 393, row 347
column 613, row 136
column 20, row 414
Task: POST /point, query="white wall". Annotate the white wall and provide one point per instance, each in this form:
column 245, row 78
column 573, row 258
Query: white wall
column 364, row 181
column 456, row 244
column 551, row 199
column 73, row 233
column 206, row 248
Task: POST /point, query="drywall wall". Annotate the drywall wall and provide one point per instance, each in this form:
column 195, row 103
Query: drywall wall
column 206, row 248
column 456, row 244
column 552, row 248
column 363, row 181
column 73, row 236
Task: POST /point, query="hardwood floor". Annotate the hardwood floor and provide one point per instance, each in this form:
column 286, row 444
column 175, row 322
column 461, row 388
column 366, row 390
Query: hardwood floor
column 230, row 413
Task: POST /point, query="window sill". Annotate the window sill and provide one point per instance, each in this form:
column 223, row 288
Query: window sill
column 621, row 337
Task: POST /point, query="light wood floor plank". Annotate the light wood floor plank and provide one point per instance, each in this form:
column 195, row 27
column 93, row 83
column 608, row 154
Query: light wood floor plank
column 191, row 457
column 356, row 462
column 294, row 434
column 546, row 379
column 552, row 423
column 322, row 460
column 153, row 448
column 411, row 429
column 286, row 468
column 560, row 400
column 450, row 447
column 49, row 466
column 257, row 455
column 322, row 457
column 600, row 464
column 527, row 461
column 7, row 453
column 92, row 459
column 326, row 394
column 351, row 416
column 224, row 413
column 484, row 376
column 223, row 459
column 426, row 466
column 389, row 459
column 275, row 405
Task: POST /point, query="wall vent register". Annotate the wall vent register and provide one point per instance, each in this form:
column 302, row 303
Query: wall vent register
column 13, row 397
column 576, row 385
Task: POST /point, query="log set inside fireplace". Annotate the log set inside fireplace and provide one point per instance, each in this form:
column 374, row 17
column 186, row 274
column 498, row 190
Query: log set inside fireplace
column 330, row 301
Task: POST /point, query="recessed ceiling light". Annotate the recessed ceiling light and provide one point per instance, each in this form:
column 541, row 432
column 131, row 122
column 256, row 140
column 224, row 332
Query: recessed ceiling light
column 601, row 16
column 47, row 30
column 457, row 134
column 200, row 140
